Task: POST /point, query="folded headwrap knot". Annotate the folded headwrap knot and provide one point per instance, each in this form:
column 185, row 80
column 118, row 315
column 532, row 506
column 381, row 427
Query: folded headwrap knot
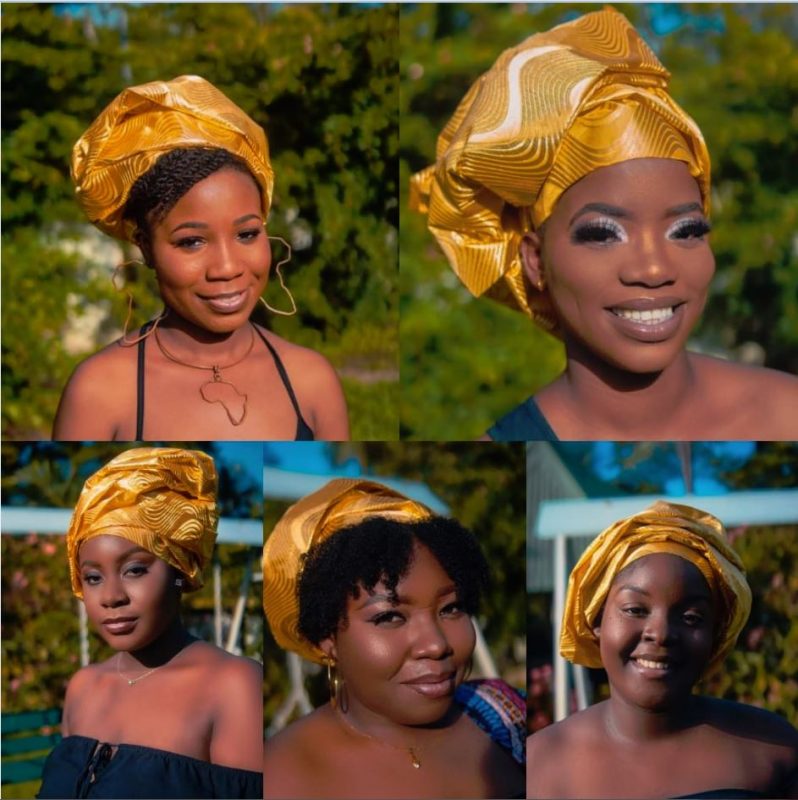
column 562, row 104
column 144, row 122
column 162, row 499
column 686, row 532
column 339, row 504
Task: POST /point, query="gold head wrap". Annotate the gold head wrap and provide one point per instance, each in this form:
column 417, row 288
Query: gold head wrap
column 339, row 504
column 584, row 95
column 693, row 535
column 144, row 122
column 161, row 498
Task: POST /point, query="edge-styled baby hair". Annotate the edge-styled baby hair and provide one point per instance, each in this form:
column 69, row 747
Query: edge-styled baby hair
column 159, row 189
column 381, row 550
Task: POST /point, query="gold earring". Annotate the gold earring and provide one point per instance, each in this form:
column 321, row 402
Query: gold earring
column 282, row 283
column 125, row 341
column 333, row 682
column 540, row 285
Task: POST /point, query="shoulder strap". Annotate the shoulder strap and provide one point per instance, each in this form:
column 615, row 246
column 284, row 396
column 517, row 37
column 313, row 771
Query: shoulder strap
column 140, row 381
column 284, row 378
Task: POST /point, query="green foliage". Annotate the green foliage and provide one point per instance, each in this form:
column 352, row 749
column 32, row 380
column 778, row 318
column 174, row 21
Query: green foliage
column 320, row 79
column 467, row 362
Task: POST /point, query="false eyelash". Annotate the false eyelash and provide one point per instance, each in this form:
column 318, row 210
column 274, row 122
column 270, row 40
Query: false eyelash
column 599, row 231
column 692, row 228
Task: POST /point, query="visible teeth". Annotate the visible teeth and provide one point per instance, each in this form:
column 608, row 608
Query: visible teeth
column 651, row 317
column 652, row 664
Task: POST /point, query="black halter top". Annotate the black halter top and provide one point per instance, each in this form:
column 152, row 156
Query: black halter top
column 304, row 433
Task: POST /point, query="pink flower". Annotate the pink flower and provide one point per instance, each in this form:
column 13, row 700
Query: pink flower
column 48, row 548
column 19, row 581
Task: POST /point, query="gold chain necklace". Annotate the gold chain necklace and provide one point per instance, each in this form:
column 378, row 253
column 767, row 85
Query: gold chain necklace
column 134, row 681
column 412, row 750
column 212, row 391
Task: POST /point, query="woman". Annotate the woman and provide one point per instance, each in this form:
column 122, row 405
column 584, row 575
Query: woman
column 167, row 716
column 658, row 600
column 183, row 173
column 570, row 186
column 381, row 591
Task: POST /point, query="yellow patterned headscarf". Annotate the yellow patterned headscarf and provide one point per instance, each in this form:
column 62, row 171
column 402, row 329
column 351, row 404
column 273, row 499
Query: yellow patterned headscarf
column 144, row 122
column 693, row 535
column 339, row 504
column 584, row 95
column 161, row 498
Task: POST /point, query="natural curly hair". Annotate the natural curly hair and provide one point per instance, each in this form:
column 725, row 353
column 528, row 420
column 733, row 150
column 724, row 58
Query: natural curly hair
column 159, row 189
column 379, row 549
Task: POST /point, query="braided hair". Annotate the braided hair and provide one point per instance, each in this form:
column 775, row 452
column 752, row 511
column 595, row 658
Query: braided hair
column 159, row 189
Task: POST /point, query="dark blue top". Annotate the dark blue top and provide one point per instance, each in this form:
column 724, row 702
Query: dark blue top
column 523, row 424
column 724, row 794
column 82, row 767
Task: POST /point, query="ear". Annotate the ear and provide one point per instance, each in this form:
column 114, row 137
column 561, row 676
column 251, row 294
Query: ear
column 328, row 647
column 530, row 251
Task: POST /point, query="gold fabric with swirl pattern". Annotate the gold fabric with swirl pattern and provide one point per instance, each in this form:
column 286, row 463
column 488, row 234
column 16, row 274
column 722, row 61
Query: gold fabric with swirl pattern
column 160, row 498
column 144, row 122
column 686, row 532
column 584, row 95
column 340, row 503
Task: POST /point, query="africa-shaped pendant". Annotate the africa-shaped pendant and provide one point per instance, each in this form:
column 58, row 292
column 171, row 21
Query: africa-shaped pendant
column 223, row 392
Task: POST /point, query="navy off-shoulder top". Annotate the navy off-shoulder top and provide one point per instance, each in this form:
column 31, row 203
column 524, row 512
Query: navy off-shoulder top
column 83, row 767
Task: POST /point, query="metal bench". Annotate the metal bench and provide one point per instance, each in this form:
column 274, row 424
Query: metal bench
column 27, row 739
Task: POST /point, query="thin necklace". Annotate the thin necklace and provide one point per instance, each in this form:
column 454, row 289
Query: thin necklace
column 134, row 681
column 213, row 391
column 411, row 750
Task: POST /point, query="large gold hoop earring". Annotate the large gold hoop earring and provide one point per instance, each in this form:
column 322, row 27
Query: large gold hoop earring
column 333, row 682
column 125, row 341
column 282, row 283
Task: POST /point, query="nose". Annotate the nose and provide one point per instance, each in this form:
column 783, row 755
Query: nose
column 650, row 264
column 223, row 263
column 658, row 629
column 430, row 639
column 113, row 592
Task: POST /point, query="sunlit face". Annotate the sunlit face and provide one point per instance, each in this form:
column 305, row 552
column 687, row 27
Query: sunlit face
column 211, row 253
column 129, row 594
column 402, row 658
column 656, row 631
column 627, row 263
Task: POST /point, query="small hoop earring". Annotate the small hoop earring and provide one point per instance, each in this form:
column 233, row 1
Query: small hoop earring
column 282, row 283
column 125, row 341
column 179, row 582
column 333, row 683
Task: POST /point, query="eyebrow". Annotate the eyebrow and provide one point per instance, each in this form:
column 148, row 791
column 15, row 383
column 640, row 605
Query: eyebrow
column 689, row 599
column 399, row 600
column 684, row 208
column 601, row 208
column 203, row 225
column 120, row 558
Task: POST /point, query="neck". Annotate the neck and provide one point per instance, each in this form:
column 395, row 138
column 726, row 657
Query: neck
column 629, row 724
column 174, row 639
column 627, row 401
column 372, row 725
column 188, row 340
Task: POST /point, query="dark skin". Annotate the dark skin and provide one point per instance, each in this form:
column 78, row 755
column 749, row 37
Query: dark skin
column 653, row 738
column 220, row 694
column 212, row 259
column 613, row 247
column 382, row 648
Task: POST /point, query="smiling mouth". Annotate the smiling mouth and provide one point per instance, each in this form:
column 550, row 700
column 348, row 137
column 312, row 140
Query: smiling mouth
column 433, row 686
column 654, row 316
column 227, row 303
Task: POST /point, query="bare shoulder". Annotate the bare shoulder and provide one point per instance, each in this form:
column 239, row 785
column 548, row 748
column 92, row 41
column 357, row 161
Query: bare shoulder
column 99, row 393
column 81, row 684
column 230, row 672
column 547, row 748
column 749, row 722
column 317, row 387
column 763, row 400
column 294, row 754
